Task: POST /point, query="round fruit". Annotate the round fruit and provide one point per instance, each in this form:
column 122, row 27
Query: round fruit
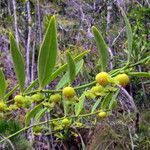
column 122, row 79
column 19, row 99
column 102, row 114
column 102, row 78
column 65, row 122
column 2, row 106
column 69, row 92
column 27, row 102
column 12, row 107
column 37, row 97
column 49, row 105
column 55, row 98
column 37, row 129
column 96, row 89
column 89, row 94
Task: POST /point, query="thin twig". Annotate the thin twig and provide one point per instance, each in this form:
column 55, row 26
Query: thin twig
column 47, row 121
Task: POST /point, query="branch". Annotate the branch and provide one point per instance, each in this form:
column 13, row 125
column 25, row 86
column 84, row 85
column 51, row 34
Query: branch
column 28, row 44
column 44, row 122
column 15, row 22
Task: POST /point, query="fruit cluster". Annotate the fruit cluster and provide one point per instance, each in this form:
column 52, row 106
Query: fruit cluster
column 104, row 78
column 104, row 84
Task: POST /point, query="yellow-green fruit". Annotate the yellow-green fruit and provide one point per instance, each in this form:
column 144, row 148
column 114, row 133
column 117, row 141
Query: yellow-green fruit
column 122, row 79
column 19, row 105
column 12, row 107
column 102, row 114
column 19, row 99
column 27, row 102
column 89, row 94
column 69, row 92
column 55, row 98
column 37, row 97
column 65, row 122
column 49, row 105
column 96, row 89
column 102, row 78
column 3, row 106
column 37, row 129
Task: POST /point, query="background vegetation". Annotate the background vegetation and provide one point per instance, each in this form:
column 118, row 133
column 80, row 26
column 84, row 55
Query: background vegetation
column 28, row 19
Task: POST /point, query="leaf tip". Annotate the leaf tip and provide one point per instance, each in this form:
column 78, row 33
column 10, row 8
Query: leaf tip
column 94, row 28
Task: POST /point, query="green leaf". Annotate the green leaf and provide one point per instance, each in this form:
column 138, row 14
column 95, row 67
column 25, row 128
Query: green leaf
column 11, row 92
column 32, row 113
column 48, row 53
column 129, row 34
column 40, row 114
column 113, row 102
column 65, row 79
column 71, row 67
column 29, row 88
column 140, row 74
column 96, row 105
column 2, row 84
column 64, row 67
column 65, row 107
column 18, row 62
column 56, row 73
column 102, row 48
column 80, row 105
column 106, row 101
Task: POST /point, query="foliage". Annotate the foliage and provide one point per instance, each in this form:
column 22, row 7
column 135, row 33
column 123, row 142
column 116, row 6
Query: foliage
column 81, row 106
column 10, row 127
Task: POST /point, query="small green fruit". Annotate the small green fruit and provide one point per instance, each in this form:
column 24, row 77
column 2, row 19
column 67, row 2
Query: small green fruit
column 27, row 102
column 102, row 78
column 12, row 107
column 37, row 129
column 66, row 122
column 102, row 114
column 3, row 106
column 89, row 94
column 96, row 90
column 55, row 98
column 37, row 97
column 19, row 99
column 69, row 92
column 122, row 79
column 49, row 105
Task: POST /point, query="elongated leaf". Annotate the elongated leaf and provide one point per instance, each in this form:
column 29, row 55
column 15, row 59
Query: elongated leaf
column 18, row 62
column 140, row 74
column 47, row 54
column 106, row 101
column 129, row 34
column 32, row 113
column 65, row 79
column 2, row 84
column 64, row 67
column 96, row 105
column 65, row 107
column 80, row 105
column 40, row 114
column 113, row 102
column 56, row 73
column 29, row 88
column 71, row 67
column 11, row 92
column 102, row 48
